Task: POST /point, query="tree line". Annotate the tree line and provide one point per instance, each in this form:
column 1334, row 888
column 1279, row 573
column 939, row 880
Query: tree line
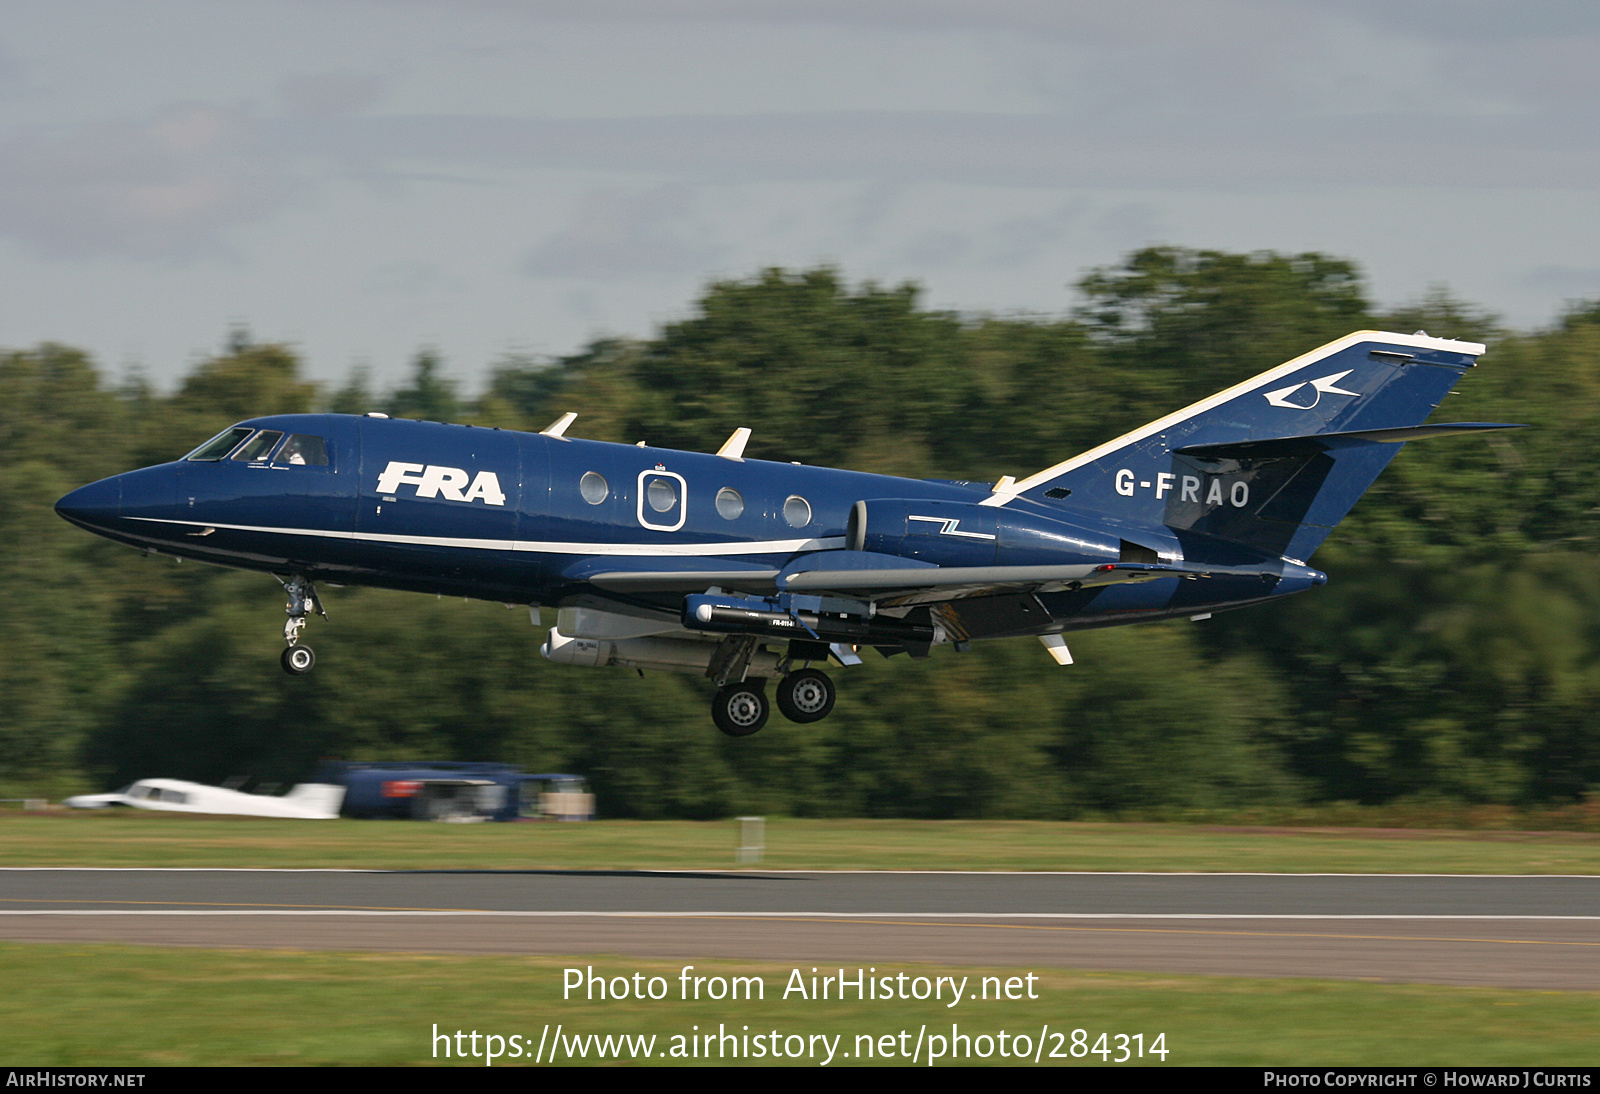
column 1454, row 654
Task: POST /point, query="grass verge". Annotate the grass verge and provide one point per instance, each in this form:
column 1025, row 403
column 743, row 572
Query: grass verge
column 132, row 838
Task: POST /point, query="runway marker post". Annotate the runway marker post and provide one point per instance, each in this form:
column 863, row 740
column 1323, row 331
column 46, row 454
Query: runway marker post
column 752, row 839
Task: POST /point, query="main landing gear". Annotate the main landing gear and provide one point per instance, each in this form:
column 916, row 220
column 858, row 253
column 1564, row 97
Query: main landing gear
column 298, row 660
column 806, row 696
column 740, row 709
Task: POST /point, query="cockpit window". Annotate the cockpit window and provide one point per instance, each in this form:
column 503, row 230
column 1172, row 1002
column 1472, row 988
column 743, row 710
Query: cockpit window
column 303, row 450
column 219, row 446
column 260, row 446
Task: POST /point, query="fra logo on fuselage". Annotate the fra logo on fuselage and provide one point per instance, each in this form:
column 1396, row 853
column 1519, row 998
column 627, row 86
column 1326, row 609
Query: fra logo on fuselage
column 441, row 482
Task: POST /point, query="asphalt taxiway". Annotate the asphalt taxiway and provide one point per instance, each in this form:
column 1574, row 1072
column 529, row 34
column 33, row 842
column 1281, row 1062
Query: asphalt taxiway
column 1509, row 931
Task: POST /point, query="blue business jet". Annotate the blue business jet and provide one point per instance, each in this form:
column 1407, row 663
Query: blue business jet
column 743, row 570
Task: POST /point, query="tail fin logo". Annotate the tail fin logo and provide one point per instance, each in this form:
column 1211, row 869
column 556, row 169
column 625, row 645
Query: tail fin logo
column 1323, row 385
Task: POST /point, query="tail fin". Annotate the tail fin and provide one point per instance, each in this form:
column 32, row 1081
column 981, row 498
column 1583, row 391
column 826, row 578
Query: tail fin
column 325, row 797
column 1275, row 462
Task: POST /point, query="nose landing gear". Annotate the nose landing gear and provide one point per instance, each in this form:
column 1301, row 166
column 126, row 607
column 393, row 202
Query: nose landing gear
column 298, row 660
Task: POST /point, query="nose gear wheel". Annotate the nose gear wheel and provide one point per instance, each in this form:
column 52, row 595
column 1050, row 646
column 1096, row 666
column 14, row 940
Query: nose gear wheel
column 298, row 660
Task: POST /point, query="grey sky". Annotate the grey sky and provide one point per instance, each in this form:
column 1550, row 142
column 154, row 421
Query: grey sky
column 493, row 176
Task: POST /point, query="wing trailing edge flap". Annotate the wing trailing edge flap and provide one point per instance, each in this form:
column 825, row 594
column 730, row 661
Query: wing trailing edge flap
column 916, row 583
column 931, row 584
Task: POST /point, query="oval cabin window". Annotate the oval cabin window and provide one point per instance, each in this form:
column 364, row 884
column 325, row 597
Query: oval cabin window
column 662, row 494
column 593, row 487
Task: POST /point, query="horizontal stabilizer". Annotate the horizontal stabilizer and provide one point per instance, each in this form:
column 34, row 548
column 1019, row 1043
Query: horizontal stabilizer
column 1312, row 443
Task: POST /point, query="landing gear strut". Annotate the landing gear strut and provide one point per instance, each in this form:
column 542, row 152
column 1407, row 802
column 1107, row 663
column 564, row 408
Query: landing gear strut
column 297, row 660
column 740, row 709
column 805, row 696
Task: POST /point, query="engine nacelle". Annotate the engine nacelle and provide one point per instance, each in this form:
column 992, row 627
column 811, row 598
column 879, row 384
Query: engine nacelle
column 660, row 654
column 949, row 533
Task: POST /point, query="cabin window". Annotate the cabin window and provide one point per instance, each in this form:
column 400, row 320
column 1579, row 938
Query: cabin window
column 303, row 450
column 797, row 511
column 730, row 503
column 259, row 447
column 594, row 487
column 662, row 494
column 219, row 446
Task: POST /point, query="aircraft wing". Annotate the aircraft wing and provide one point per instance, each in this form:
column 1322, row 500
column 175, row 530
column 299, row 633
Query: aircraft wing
column 673, row 574
column 689, row 581
column 933, row 584
column 896, row 585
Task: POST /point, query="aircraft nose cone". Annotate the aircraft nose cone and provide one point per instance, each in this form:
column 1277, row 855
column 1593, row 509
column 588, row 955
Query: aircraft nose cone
column 94, row 506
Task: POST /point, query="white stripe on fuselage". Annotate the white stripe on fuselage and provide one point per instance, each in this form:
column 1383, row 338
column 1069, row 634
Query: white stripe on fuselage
column 758, row 547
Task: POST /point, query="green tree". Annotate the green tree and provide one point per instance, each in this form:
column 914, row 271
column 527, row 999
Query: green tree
column 821, row 373
column 430, row 396
column 1194, row 318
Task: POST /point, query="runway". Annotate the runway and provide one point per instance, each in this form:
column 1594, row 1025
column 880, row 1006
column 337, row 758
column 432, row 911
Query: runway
column 1525, row 931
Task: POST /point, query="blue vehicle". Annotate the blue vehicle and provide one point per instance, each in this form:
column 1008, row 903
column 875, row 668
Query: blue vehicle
column 746, row 570
column 445, row 789
column 426, row 790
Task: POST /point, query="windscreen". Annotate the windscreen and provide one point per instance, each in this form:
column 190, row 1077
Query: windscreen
column 218, row 447
column 303, row 450
column 259, row 447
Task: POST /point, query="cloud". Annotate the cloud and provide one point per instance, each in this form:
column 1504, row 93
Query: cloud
column 1185, row 56
column 161, row 187
column 1125, row 21
column 1482, row 20
column 1229, row 148
column 12, row 81
column 412, row 279
column 615, row 234
column 937, row 247
column 1569, row 282
column 330, row 93
column 1150, row 94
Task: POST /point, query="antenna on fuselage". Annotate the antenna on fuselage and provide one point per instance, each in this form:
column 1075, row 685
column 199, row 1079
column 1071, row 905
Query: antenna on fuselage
column 733, row 447
column 559, row 426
